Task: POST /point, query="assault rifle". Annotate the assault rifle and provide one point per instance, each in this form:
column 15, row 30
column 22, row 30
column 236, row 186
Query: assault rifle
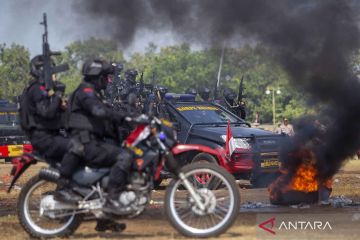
column 141, row 85
column 49, row 67
column 241, row 91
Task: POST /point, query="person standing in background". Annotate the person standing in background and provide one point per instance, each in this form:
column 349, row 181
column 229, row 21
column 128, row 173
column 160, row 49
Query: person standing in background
column 286, row 128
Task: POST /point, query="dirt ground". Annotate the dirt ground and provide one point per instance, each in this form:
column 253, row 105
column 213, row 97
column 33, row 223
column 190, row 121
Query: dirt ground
column 153, row 224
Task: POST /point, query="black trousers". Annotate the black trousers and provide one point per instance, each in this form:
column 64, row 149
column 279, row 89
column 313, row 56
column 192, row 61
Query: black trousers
column 55, row 148
column 50, row 144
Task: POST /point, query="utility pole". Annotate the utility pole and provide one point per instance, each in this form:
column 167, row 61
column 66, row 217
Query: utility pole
column 273, row 107
column 219, row 72
column 272, row 91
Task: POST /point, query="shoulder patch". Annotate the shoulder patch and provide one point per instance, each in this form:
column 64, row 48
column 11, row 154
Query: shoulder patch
column 43, row 90
column 88, row 91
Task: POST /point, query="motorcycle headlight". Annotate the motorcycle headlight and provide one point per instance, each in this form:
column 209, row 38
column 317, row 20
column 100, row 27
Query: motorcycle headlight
column 238, row 142
column 162, row 136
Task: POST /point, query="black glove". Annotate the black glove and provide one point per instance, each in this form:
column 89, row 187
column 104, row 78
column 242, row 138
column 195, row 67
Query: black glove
column 59, row 88
column 117, row 116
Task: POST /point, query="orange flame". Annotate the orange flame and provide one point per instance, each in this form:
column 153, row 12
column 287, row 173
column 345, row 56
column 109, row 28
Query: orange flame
column 304, row 180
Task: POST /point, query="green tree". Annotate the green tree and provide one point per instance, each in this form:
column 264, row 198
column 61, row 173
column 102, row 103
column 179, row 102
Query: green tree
column 14, row 70
column 261, row 72
column 76, row 53
column 177, row 67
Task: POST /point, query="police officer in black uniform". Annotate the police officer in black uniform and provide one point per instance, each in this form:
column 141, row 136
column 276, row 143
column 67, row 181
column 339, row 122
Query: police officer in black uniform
column 158, row 102
column 42, row 117
column 128, row 85
column 204, row 93
column 89, row 118
column 230, row 104
column 112, row 92
column 191, row 91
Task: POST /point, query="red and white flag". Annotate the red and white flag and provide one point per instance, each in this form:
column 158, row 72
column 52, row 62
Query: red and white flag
column 230, row 141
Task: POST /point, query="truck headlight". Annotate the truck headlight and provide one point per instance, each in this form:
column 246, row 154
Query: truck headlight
column 238, row 142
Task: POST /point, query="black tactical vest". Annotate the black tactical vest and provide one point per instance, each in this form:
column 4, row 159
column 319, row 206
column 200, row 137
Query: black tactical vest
column 30, row 120
column 79, row 119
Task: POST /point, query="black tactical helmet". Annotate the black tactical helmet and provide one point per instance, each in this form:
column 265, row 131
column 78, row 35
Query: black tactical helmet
column 118, row 67
column 96, row 67
column 96, row 71
column 229, row 94
column 36, row 66
column 191, row 91
column 130, row 75
column 204, row 93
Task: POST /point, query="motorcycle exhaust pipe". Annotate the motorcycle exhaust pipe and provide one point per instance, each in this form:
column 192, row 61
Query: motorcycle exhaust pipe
column 49, row 174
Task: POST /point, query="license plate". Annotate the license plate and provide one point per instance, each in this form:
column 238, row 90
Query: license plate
column 269, row 163
column 15, row 150
column 269, row 160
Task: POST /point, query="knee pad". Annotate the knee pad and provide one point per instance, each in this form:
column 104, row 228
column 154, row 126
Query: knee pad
column 124, row 156
column 123, row 161
column 76, row 147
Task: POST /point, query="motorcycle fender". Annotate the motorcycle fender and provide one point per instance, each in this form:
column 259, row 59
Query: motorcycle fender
column 181, row 148
column 19, row 167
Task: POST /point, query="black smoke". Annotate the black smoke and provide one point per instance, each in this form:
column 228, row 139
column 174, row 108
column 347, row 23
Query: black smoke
column 313, row 41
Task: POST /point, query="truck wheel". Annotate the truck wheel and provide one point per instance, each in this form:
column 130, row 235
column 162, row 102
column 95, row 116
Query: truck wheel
column 204, row 179
column 204, row 157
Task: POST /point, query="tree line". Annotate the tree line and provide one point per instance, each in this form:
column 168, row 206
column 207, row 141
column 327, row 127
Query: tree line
column 177, row 67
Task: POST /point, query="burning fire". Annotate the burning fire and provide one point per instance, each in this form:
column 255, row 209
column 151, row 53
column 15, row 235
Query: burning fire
column 304, row 179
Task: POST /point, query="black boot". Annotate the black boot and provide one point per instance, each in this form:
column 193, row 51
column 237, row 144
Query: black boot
column 112, row 204
column 105, row 224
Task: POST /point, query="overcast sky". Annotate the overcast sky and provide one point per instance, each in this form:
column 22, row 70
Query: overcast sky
column 20, row 24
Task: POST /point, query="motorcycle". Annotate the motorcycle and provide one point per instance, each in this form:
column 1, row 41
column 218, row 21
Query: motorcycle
column 195, row 210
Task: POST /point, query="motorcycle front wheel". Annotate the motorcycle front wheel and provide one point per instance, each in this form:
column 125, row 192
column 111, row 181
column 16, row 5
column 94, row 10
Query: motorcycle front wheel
column 33, row 220
column 220, row 198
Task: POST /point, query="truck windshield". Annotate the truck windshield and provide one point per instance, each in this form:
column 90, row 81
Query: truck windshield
column 205, row 114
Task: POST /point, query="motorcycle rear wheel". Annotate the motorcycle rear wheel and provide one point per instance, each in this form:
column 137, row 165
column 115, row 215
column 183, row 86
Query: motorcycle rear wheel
column 222, row 203
column 28, row 211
